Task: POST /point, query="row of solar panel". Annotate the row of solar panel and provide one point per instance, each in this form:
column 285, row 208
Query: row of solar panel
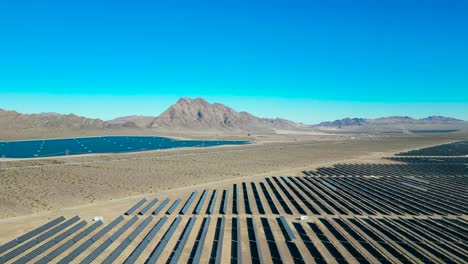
column 390, row 195
column 425, row 160
column 459, row 148
column 366, row 239
column 47, row 232
column 392, row 170
column 175, row 204
column 212, row 201
column 376, row 240
column 332, row 195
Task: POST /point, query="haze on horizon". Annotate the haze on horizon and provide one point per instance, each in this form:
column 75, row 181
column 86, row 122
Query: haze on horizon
column 307, row 62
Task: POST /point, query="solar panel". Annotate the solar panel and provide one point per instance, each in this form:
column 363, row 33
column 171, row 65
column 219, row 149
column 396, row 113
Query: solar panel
column 107, row 228
column 140, row 228
column 189, row 202
column 255, row 250
column 8, row 245
column 56, row 252
column 17, row 251
column 87, row 231
column 116, row 253
column 70, row 231
column 309, row 244
column 156, row 253
column 50, row 256
column 295, row 252
column 329, row 185
column 280, row 199
column 223, row 206
column 36, row 252
column 199, row 243
column 75, row 253
column 144, row 243
column 23, row 247
column 284, row 224
column 147, row 207
column 219, row 250
column 247, row 206
column 200, row 202
column 289, row 196
column 326, row 242
column 414, row 186
column 269, row 199
column 136, row 206
column 39, row 230
column 98, row 251
column 235, row 202
column 57, row 229
column 183, row 240
column 161, row 206
column 257, row 198
column 344, row 241
column 212, row 204
column 124, row 228
column 173, row 207
column 236, row 249
column 411, row 249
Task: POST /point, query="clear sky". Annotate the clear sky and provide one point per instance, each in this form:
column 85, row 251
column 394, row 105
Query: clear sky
column 307, row 61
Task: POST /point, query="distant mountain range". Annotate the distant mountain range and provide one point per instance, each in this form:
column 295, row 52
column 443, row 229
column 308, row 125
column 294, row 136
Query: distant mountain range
column 196, row 115
column 389, row 121
column 185, row 115
column 13, row 120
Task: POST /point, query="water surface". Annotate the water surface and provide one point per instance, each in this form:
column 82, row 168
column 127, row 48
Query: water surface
column 91, row 145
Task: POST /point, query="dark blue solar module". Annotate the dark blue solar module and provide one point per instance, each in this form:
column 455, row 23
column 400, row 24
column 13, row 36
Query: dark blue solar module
column 90, row 145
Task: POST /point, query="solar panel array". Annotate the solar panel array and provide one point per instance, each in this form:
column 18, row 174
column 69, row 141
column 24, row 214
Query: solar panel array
column 446, row 160
column 459, row 148
column 357, row 213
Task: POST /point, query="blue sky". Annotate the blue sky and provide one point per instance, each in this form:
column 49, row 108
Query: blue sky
column 305, row 61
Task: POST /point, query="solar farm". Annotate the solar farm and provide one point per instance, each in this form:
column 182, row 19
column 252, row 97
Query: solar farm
column 407, row 208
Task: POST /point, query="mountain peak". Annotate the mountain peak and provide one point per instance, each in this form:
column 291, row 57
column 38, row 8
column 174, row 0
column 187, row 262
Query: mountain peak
column 186, row 100
column 441, row 119
column 198, row 114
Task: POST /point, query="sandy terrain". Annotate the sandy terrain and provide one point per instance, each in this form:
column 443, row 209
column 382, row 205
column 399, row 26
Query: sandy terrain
column 33, row 186
column 33, row 192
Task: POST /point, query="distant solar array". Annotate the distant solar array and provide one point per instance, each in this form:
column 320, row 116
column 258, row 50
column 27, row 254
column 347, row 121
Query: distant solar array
column 356, row 213
column 459, row 148
column 90, row 145
column 390, row 170
column 462, row 160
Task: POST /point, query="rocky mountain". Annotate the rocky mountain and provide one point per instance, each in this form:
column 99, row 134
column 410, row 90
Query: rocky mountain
column 132, row 121
column 441, row 119
column 17, row 121
column 187, row 114
column 391, row 120
column 198, row 114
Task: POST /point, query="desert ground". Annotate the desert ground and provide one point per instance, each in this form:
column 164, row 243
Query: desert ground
column 36, row 191
column 32, row 189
